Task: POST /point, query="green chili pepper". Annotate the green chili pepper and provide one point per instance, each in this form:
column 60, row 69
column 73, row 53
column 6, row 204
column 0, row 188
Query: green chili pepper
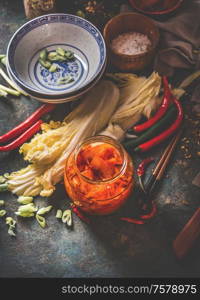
column 154, row 130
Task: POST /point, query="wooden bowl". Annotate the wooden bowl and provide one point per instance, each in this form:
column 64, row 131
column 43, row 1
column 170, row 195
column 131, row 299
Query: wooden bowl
column 172, row 7
column 134, row 22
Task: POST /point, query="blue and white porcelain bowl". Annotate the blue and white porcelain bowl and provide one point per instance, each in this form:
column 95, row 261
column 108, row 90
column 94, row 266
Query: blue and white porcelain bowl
column 50, row 32
column 69, row 98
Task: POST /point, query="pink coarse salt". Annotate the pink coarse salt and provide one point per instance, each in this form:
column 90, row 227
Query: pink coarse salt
column 131, row 43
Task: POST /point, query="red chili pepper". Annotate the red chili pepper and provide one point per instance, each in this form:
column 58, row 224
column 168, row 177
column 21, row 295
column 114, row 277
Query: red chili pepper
column 165, row 134
column 142, row 166
column 44, row 109
column 79, row 214
column 151, row 214
column 23, row 137
column 160, row 112
column 132, row 220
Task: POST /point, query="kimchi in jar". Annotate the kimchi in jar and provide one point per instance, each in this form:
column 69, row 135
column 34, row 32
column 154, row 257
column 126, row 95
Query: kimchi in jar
column 99, row 175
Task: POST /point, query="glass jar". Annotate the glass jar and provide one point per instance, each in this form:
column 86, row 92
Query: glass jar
column 98, row 175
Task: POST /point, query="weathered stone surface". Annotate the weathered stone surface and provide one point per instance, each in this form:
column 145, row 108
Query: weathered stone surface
column 109, row 247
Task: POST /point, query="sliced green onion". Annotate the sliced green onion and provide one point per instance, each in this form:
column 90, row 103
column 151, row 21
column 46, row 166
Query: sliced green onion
column 8, row 90
column 59, row 214
column 25, row 199
column 3, row 187
column 10, row 82
column 24, row 214
column 2, row 202
column 67, row 217
column 53, row 68
column 6, row 175
column 11, row 231
column 11, row 223
column 61, row 58
column 27, row 210
column 41, row 220
column 60, row 51
column 2, row 56
column 52, row 55
column 46, row 64
column 43, row 54
column 69, row 54
column 65, row 80
column 3, row 93
column 2, row 179
column 44, row 210
column 2, row 212
column 80, row 13
column 4, row 61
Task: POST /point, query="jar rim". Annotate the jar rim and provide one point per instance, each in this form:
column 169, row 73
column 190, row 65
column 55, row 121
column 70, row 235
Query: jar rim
column 107, row 140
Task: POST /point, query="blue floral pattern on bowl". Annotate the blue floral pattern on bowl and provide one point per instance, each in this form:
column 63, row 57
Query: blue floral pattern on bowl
column 53, row 80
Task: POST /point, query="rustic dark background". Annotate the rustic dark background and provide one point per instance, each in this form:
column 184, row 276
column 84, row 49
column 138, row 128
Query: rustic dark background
column 108, row 247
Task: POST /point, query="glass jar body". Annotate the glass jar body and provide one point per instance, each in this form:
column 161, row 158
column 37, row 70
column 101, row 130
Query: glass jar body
column 104, row 196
